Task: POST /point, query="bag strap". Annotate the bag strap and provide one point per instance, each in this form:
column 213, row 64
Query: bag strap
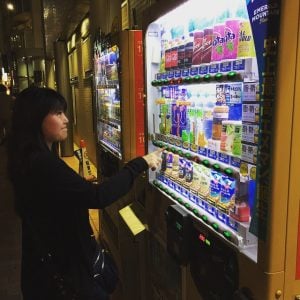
column 67, row 291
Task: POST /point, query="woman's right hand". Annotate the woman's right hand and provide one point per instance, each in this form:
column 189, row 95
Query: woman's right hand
column 153, row 159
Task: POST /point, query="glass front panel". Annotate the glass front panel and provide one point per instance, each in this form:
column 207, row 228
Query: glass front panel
column 108, row 97
column 204, row 109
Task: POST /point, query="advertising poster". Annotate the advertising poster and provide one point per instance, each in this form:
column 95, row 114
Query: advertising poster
column 264, row 18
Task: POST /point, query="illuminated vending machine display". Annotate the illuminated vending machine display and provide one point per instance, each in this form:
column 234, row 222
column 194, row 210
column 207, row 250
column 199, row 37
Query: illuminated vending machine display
column 106, row 60
column 119, row 107
column 119, row 102
column 204, row 103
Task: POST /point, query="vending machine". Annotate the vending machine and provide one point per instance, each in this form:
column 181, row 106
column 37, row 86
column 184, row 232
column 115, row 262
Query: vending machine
column 221, row 90
column 119, row 100
column 119, row 87
column 119, row 108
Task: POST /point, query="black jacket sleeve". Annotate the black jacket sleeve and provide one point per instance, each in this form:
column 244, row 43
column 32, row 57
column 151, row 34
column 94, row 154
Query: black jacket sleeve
column 64, row 186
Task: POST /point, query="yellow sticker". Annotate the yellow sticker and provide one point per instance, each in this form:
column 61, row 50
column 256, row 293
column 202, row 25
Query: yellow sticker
column 244, row 169
column 131, row 220
column 253, row 173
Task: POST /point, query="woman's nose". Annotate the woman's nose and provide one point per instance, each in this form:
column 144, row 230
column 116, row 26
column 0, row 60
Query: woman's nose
column 66, row 120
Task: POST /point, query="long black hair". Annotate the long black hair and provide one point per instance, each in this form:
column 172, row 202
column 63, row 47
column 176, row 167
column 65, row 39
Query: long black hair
column 31, row 106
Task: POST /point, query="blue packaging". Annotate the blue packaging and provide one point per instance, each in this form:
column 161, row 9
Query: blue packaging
column 235, row 112
column 228, row 185
column 251, row 195
column 182, row 163
column 207, row 128
column 215, row 186
column 189, row 171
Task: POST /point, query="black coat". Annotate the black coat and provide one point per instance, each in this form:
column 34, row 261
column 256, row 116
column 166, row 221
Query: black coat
column 55, row 200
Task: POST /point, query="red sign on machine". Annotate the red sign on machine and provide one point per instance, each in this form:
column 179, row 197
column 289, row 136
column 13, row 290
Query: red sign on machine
column 139, row 94
column 298, row 253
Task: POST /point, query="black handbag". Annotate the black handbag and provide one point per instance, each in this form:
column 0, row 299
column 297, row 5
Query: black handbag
column 106, row 272
column 65, row 290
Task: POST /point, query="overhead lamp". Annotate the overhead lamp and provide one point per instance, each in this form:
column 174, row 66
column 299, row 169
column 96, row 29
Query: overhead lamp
column 73, row 40
column 10, row 6
column 85, row 27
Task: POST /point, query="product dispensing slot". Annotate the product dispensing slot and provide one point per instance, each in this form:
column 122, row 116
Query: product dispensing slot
column 214, row 265
column 178, row 233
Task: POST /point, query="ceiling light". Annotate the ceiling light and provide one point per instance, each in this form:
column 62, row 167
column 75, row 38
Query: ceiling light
column 10, row 6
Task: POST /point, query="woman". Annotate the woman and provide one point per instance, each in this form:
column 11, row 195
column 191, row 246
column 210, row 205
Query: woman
column 53, row 200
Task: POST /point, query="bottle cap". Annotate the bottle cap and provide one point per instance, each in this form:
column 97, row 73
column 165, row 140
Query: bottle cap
column 197, row 159
column 197, row 78
column 188, row 155
column 179, row 80
column 216, row 167
column 82, row 144
column 206, row 163
column 219, row 76
column 231, row 75
column 196, row 212
column 187, row 205
column 228, row 171
column 207, row 77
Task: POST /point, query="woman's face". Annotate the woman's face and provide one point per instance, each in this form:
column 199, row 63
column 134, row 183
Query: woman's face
column 54, row 127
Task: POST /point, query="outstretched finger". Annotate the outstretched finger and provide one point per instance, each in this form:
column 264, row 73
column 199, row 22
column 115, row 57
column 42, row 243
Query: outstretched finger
column 160, row 150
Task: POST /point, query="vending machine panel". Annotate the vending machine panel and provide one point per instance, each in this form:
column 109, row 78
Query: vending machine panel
column 119, row 99
column 214, row 266
column 204, row 109
column 178, row 233
column 222, row 90
column 108, row 103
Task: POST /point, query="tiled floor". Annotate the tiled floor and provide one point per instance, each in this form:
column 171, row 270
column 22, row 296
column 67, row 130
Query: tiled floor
column 10, row 233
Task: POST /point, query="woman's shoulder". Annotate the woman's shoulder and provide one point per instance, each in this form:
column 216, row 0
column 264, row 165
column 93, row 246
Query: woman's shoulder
column 44, row 159
column 43, row 155
column 49, row 161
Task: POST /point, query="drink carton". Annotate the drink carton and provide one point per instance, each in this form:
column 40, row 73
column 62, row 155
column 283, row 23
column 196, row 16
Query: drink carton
column 231, row 137
column 189, row 173
column 163, row 161
column 179, row 119
column 215, row 186
column 169, row 164
column 175, row 167
column 181, row 51
column 246, row 43
column 206, row 45
column 188, row 51
column 227, row 194
column 231, row 38
column 217, row 50
column 182, row 169
column 196, row 178
column 174, row 54
column 198, row 39
column 168, row 56
column 204, row 186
